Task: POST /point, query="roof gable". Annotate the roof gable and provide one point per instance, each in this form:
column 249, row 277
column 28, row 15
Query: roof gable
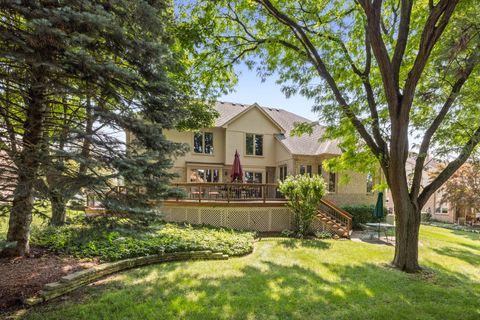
column 310, row 145
column 246, row 110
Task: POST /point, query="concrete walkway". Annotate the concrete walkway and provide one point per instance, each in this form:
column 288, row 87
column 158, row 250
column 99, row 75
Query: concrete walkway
column 372, row 238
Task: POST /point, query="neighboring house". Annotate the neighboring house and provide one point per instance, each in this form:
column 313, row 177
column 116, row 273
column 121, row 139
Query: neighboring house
column 7, row 178
column 440, row 210
column 267, row 152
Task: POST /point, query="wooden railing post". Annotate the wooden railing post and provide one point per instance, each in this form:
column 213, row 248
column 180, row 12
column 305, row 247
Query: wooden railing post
column 227, row 187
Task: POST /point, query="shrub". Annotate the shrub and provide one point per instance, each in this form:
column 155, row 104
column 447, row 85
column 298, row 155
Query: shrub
column 323, row 235
column 303, row 195
column 426, row 217
column 363, row 214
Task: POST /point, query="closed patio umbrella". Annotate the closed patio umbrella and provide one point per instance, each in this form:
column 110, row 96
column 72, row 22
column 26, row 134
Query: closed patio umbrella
column 378, row 211
column 237, row 172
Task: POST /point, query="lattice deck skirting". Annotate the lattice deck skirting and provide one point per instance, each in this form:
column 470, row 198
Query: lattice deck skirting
column 263, row 219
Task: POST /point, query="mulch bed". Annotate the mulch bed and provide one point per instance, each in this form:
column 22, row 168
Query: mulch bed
column 21, row 278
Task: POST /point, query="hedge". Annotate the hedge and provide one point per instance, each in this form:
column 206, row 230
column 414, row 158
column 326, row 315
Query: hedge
column 363, row 214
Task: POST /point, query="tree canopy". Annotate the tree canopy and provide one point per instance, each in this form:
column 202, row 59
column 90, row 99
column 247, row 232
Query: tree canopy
column 379, row 73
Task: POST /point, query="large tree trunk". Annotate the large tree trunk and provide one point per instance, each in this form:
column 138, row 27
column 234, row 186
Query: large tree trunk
column 407, row 213
column 407, row 220
column 27, row 167
column 59, row 210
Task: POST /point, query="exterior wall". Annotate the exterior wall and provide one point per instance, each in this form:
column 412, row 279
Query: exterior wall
column 186, row 137
column 253, row 121
column 341, row 199
column 352, row 193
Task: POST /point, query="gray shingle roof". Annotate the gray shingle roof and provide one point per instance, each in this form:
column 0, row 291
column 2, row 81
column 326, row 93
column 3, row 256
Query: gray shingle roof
column 303, row 145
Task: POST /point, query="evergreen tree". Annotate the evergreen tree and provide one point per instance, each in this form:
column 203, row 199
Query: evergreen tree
column 73, row 73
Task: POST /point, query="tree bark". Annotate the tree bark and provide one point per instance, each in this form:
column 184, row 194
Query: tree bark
column 407, row 219
column 27, row 167
column 59, row 210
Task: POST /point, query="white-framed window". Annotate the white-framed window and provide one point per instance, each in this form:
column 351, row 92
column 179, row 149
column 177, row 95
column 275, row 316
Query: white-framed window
column 203, row 142
column 283, row 173
column 200, row 175
column 441, row 210
column 253, row 177
column 306, row 169
column 369, row 183
column 253, row 144
column 332, row 182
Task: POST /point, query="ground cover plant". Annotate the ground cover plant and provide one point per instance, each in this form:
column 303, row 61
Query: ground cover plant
column 110, row 244
column 292, row 279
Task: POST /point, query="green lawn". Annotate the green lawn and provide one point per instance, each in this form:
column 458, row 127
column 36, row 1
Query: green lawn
column 293, row 279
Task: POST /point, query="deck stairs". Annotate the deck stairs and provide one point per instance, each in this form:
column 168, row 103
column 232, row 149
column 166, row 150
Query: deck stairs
column 334, row 219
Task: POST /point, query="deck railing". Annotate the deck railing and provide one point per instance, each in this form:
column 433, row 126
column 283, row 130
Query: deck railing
column 230, row 192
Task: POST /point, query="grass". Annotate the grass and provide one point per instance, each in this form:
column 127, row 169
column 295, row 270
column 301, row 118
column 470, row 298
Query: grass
column 293, row 279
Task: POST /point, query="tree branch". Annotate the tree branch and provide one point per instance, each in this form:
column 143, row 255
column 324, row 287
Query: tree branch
column 450, row 169
column 427, row 138
column 403, row 29
column 434, row 27
column 323, row 72
column 373, row 14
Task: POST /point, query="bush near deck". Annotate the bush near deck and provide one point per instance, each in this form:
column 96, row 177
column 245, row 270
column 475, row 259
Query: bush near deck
column 363, row 214
column 112, row 244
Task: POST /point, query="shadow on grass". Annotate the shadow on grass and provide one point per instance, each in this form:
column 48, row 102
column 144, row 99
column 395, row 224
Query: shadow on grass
column 468, row 235
column 306, row 243
column 462, row 254
column 268, row 290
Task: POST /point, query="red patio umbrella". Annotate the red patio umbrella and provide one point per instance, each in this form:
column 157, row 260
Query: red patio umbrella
column 237, row 172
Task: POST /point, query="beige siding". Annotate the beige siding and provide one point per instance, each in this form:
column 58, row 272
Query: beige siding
column 252, row 121
column 187, row 138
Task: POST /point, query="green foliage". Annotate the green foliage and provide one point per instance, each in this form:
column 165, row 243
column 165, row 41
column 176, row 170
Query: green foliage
column 303, row 195
column 363, row 214
column 293, row 279
column 110, row 244
column 323, row 235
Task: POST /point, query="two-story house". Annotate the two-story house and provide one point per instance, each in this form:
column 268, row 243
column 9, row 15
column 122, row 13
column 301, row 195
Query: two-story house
column 268, row 153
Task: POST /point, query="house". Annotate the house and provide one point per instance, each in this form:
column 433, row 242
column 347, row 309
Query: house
column 438, row 209
column 268, row 153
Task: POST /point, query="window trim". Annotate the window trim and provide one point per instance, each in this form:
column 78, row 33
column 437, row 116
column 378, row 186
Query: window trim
column 203, row 144
column 205, row 169
column 254, row 172
column 308, row 169
column 253, row 145
column 334, row 174
column 367, row 183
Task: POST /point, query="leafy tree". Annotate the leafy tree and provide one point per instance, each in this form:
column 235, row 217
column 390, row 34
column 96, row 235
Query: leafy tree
column 462, row 190
column 303, row 195
column 74, row 73
column 378, row 71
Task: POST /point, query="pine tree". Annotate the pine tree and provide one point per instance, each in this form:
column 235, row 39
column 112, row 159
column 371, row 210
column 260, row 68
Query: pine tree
column 74, row 73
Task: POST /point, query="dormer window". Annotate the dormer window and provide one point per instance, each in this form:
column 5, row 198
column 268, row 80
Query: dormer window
column 203, row 142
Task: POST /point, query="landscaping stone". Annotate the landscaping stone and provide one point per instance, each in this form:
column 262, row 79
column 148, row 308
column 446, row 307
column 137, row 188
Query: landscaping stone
column 81, row 278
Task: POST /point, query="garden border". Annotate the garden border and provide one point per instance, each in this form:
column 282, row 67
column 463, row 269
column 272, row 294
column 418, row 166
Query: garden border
column 82, row 278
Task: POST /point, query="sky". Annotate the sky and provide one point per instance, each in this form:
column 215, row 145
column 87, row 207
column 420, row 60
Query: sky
column 250, row 89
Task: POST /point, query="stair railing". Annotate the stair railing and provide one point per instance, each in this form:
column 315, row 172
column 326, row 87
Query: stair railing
column 341, row 216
